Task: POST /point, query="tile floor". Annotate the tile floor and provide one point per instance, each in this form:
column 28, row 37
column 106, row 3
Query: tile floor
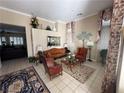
column 60, row 84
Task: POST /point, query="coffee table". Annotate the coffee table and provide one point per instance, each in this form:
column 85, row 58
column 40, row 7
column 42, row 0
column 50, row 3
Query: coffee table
column 70, row 61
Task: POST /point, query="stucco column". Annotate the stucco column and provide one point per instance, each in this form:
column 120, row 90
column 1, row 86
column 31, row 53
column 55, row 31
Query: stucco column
column 110, row 76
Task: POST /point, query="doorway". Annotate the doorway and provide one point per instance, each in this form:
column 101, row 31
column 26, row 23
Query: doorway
column 12, row 42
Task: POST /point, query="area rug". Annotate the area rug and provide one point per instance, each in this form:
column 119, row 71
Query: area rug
column 79, row 72
column 22, row 81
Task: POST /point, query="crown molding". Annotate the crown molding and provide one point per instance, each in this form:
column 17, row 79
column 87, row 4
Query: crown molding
column 81, row 18
column 46, row 20
column 14, row 11
column 59, row 21
column 25, row 14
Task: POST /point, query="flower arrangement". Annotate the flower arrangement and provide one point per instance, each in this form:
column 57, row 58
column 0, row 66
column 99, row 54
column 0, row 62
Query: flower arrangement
column 71, row 58
column 34, row 22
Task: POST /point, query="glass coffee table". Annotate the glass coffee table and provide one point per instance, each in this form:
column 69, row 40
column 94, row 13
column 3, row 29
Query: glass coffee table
column 70, row 61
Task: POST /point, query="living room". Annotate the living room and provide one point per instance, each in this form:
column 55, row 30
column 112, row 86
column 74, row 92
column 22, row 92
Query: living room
column 60, row 38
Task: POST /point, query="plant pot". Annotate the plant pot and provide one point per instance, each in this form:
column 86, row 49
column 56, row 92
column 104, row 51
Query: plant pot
column 34, row 26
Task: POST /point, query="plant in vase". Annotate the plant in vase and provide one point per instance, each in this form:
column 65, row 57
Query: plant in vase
column 70, row 58
column 34, row 22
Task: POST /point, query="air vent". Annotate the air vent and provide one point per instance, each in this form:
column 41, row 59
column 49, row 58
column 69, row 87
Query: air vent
column 79, row 14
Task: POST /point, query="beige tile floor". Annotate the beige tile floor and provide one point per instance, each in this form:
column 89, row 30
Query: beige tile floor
column 60, row 84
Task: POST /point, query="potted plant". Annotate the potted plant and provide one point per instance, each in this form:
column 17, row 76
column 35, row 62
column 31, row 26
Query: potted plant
column 34, row 22
column 31, row 59
column 84, row 36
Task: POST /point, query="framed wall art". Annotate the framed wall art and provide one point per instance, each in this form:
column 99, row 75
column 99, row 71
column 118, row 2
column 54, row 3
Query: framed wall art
column 53, row 41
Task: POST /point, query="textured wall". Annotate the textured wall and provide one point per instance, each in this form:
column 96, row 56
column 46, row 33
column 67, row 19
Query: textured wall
column 110, row 76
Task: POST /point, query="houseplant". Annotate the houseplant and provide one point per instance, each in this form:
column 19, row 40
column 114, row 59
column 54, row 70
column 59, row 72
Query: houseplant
column 31, row 59
column 84, row 36
column 34, row 22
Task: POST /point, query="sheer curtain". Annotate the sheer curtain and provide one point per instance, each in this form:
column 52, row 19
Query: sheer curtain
column 70, row 35
column 104, row 15
column 103, row 42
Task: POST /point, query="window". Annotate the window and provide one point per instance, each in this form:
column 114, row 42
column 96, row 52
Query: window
column 11, row 40
column 0, row 41
column 3, row 40
column 21, row 40
column 16, row 41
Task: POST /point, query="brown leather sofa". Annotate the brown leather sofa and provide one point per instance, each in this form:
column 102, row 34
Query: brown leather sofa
column 55, row 52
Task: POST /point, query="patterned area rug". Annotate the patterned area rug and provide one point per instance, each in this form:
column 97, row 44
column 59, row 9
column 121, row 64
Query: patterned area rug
column 22, row 81
column 80, row 73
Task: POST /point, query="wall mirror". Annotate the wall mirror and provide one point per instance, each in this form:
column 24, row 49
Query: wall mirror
column 53, row 41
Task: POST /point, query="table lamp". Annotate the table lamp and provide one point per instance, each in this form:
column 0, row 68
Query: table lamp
column 65, row 45
column 39, row 49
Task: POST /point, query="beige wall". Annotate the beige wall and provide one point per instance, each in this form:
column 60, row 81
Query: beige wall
column 10, row 17
column 89, row 24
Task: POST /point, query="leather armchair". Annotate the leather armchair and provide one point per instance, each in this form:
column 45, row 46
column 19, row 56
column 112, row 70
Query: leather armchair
column 50, row 66
column 81, row 54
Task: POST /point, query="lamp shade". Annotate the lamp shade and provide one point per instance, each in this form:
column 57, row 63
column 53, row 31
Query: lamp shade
column 39, row 48
column 65, row 45
column 90, row 44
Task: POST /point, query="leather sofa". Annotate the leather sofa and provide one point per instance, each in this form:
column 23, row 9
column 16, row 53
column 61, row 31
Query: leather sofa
column 55, row 53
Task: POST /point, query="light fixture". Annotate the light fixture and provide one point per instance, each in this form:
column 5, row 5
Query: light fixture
column 90, row 44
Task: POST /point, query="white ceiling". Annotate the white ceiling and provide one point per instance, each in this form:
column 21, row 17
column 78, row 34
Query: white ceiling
column 64, row 10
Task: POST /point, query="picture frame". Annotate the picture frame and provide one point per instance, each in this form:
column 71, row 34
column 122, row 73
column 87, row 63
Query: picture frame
column 53, row 41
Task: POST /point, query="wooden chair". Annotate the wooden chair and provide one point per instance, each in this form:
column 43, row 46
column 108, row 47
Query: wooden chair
column 50, row 66
column 81, row 54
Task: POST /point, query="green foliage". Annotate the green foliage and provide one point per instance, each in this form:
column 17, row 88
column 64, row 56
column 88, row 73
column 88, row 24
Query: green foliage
column 31, row 59
column 84, row 36
column 34, row 22
column 71, row 58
